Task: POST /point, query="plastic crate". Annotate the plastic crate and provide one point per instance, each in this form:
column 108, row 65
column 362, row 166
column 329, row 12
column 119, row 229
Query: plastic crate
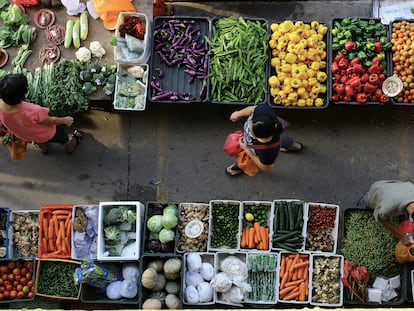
column 146, row 260
column 199, row 212
column 104, row 208
column 84, row 243
column 263, row 277
column 283, row 266
column 177, row 74
column 328, row 230
column 206, row 259
column 55, row 281
column 261, row 211
column 241, row 99
column 220, row 256
column 27, row 263
column 49, row 227
column 131, row 87
column 325, row 286
column 281, row 222
column 30, row 232
column 322, row 95
column 333, row 54
column 226, row 228
column 157, row 208
column 394, row 100
column 4, row 232
column 121, row 51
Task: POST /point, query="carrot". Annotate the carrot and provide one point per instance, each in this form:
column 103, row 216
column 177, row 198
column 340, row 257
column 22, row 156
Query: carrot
column 243, row 240
column 295, row 261
column 45, row 224
column 300, row 265
column 68, row 226
column 284, row 279
column 306, row 273
column 55, row 225
column 251, row 238
column 67, row 245
column 283, row 265
column 302, row 291
column 61, row 217
column 292, row 295
column 293, row 283
column 59, row 239
column 50, row 246
column 44, row 244
column 266, row 236
column 50, row 231
column 300, row 273
column 257, row 227
column 256, row 238
column 61, row 212
column 286, row 290
column 295, row 274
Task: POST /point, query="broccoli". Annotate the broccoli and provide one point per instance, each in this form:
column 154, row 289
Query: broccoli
column 112, row 233
column 99, row 78
column 88, row 88
column 118, row 215
column 85, row 75
column 95, row 68
column 115, row 250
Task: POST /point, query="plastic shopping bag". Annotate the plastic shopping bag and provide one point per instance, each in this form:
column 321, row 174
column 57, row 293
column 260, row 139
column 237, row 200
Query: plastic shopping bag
column 231, row 146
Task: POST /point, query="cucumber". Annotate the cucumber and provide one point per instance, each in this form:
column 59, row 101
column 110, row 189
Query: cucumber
column 76, row 34
column 84, row 26
column 285, row 236
column 291, row 210
column 68, row 33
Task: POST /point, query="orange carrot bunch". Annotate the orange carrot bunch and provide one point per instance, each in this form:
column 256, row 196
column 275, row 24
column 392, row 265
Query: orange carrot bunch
column 256, row 236
column 56, row 232
column 294, row 277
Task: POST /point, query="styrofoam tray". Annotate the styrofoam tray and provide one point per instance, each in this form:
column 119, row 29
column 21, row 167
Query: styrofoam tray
column 104, row 208
column 209, row 258
column 333, row 233
column 90, row 234
column 13, row 253
column 328, row 287
column 230, row 204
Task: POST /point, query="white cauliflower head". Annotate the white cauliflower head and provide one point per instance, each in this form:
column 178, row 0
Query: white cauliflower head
column 83, row 54
column 97, row 49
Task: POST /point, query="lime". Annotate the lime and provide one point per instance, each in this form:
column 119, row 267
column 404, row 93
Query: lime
column 249, row 216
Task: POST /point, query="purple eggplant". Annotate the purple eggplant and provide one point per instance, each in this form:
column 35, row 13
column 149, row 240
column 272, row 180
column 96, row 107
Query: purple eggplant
column 163, row 95
column 154, row 245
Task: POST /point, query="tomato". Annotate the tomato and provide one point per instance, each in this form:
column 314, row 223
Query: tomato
column 5, row 277
column 16, row 271
column 9, row 287
column 26, row 289
column 23, row 271
column 17, row 277
column 19, row 264
column 11, row 265
column 13, row 294
column 29, row 275
column 15, row 283
column 2, row 289
column 30, row 295
column 28, row 265
column 30, row 283
column 4, row 269
column 20, row 294
column 23, row 281
column 10, row 277
column 6, row 294
column 1, row 296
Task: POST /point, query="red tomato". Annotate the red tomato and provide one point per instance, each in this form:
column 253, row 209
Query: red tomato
column 23, row 271
column 1, row 296
column 23, row 281
column 30, row 295
column 10, row 277
column 5, row 277
column 20, row 294
column 30, row 283
column 9, row 287
column 2, row 289
column 4, row 269
column 28, row 265
column 15, row 283
column 6, row 294
column 17, row 277
column 11, row 265
column 16, row 271
column 13, row 294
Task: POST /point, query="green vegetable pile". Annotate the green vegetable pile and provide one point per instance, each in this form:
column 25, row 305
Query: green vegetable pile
column 368, row 243
column 262, row 277
column 224, row 224
column 56, row 278
column 95, row 76
column 238, row 63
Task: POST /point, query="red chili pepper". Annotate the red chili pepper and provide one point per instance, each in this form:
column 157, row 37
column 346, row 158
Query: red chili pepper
column 374, row 79
column 377, row 47
column 364, row 78
column 339, row 88
column 374, row 69
column 361, row 98
column 354, row 81
column 343, row 63
column 349, row 45
column 335, row 67
column 369, row 88
column 355, row 60
column 349, row 90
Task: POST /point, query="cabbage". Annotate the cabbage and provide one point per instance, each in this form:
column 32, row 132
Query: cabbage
column 166, row 235
column 169, row 221
column 154, row 223
column 170, row 209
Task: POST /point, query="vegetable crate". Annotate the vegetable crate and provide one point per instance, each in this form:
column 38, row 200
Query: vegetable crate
column 160, row 229
column 360, row 61
column 4, row 231
column 288, row 225
column 239, row 69
column 255, row 225
column 161, row 281
column 401, row 65
column 224, row 225
column 193, row 224
column 119, row 230
column 24, row 233
column 293, row 282
column 131, row 49
column 18, row 278
column 84, row 231
column 298, row 67
column 263, row 278
column 55, row 231
column 107, row 286
column 131, row 87
column 322, row 227
column 54, row 279
column 231, row 262
column 199, row 269
column 180, row 60
column 325, row 285
column 366, row 243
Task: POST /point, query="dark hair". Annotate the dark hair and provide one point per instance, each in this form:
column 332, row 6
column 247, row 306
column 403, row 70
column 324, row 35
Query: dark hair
column 265, row 125
column 13, row 88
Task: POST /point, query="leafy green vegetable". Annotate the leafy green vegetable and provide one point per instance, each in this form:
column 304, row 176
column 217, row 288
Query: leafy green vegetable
column 88, row 88
column 169, row 220
column 13, row 15
column 118, row 215
column 6, row 37
column 112, row 233
column 154, row 223
column 166, row 235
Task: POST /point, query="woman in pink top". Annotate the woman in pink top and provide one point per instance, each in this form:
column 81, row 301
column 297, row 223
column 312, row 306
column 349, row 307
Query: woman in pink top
column 32, row 122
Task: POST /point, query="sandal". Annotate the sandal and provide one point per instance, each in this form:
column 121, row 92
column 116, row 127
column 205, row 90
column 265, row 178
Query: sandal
column 42, row 148
column 233, row 170
column 293, row 150
column 76, row 139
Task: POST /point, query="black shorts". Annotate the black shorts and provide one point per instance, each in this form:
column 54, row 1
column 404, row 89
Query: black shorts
column 61, row 135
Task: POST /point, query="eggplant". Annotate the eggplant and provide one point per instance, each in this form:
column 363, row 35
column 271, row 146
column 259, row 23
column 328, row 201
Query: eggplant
column 167, row 247
column 163, row 95
column 154, row 245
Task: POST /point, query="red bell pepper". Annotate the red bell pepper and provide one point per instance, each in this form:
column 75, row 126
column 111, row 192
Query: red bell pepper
column 355, row 60
column 374, row 79
column 336, row 97
column 384, row 98
column 344, row 78
column 349, row 90
column 343, row 63
column 354, row 81
column 335, row 67
column 377, row 47
column 350, row 45
column 339, row 88
column 356, row 68
column 376, row 60
column 374, row 68
column 364, row 78
column 347, row 98
column 338, row 57
column 361, row 98
column 369, row 88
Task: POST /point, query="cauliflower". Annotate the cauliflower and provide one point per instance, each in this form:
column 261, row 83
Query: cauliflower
column 97, row 49
column 83, row 54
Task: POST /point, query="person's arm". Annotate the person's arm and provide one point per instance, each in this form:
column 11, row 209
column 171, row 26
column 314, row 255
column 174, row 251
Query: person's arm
column 401, row 236
column 255, row 158
column 68, row 121
column 243, row 113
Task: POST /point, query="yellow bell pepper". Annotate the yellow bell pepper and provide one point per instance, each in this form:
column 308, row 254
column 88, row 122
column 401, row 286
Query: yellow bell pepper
column 322, row 29
column 274, row 81
column 314, row 25
column 286, row 26
column 294, row 37
column 322, row 64
column 287, row 89
column 274, row 91
column 273, row 43
column 275, row 61
column 321, row 76
column 301, row 90
column 286, row 68
column 277, row 100
column 313, row 41
column 314, row 66
column 301, row 102
column 305, row 83
column 323, row 88
column 295, row 83
column 299, row 24
column 311, row 74
column 313, row 54
column 318, row 102
column 291, row 58
column 274, row 27
column 293, row 96
column 281, row 94
column 312, row 81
